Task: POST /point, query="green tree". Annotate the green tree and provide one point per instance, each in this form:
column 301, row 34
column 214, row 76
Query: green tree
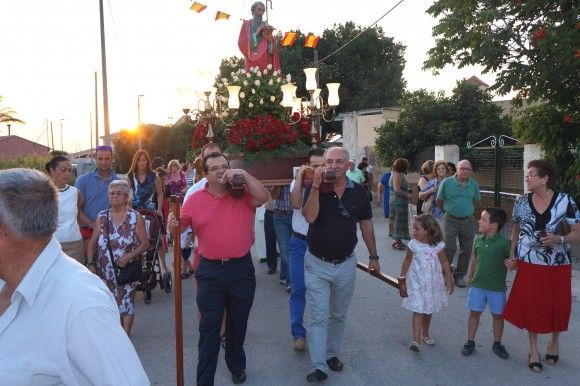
column 532, row 45
column 7, row 115
column 429, row 119
column 228, row 66
column 559, row 137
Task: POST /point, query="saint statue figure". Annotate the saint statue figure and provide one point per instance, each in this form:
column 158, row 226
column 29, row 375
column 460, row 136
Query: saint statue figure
column 256, row 41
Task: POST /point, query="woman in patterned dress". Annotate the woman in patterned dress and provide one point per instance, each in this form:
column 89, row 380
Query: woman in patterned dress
column 124, row 229
column 176, row 179
column 431, row 188
column 399, row 204
column 540, row 300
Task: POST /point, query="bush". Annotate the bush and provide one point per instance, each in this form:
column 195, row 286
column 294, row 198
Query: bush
column 25, row 161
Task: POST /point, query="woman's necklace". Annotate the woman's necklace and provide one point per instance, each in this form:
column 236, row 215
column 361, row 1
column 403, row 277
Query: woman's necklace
column 64, row 188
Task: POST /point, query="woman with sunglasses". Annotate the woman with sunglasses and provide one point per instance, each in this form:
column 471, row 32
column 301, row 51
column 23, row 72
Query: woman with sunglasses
column 68, row 233
column 545, row 223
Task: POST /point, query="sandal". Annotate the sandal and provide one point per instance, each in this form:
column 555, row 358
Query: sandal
column 536, row 367
column 552, row 359
column 414, row 346
column 429, row 341
column 398, row 246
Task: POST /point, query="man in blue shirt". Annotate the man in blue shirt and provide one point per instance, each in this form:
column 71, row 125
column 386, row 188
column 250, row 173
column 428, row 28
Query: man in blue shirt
column 94, row 187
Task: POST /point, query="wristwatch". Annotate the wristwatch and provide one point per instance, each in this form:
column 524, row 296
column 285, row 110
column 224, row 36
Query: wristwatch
column 373, row 257
column 561, row 239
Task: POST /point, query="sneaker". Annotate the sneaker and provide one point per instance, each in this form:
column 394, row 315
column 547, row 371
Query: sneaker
column 468, row 348
column 414, row 346
column 460, row 282
column 316, row 376
column 288, row 289
column 299, row 344
column 238, row 377
column 334, row 364
column 499, row 350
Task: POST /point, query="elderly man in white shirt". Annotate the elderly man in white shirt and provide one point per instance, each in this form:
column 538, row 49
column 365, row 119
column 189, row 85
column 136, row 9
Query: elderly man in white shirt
column 59, row 324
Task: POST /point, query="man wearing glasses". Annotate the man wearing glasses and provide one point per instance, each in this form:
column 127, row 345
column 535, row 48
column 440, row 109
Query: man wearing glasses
column 330, row 262
column 94, row 187
column 224, row 226
column 457, row 195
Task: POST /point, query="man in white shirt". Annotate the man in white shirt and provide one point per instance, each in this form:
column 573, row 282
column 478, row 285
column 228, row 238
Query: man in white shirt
column 207, row 149
column 59, row 324
column 297, row 249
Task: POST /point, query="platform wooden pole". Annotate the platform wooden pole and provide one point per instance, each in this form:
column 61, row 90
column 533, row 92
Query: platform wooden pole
column 379, row 275
column 177, row 294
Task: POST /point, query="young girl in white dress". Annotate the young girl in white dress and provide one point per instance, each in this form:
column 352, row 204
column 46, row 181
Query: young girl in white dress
column 423, row 266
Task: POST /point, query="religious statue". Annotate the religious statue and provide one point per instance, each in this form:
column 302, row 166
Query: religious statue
column 256, row 42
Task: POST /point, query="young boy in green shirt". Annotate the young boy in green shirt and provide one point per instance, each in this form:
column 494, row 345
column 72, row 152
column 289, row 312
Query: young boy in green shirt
column 486, row 279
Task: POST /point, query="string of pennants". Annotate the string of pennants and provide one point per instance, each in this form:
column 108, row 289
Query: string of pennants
column 288, row 40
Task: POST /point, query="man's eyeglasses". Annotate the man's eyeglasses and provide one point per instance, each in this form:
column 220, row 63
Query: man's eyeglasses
column 218, row 167
column 104, row 147
column 343, row 211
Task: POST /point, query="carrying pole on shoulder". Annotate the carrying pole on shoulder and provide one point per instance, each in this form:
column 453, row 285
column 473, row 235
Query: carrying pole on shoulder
column 177, row 286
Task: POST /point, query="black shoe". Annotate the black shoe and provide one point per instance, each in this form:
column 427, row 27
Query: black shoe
column 316, row 376
column 499, row 350
column 468, row 348
column 263, row 260
column 147, row 297
column 334, row 364
column 238, row 377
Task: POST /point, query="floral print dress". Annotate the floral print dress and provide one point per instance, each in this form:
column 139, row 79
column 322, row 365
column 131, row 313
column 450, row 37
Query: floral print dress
column 123, row 239
column 425, row 284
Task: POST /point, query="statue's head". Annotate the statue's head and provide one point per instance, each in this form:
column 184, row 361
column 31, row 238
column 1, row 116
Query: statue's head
column 258, row 9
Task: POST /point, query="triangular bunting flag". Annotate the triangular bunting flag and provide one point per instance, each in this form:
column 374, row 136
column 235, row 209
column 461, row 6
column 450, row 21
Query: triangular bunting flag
column 289, row 39
column 197, row 7
column 311, row 41
column 222, row 15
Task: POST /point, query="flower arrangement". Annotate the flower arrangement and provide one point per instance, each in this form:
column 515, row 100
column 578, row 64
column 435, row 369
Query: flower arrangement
column 260, row 131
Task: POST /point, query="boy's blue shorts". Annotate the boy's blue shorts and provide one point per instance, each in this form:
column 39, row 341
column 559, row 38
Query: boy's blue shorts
column 479, row 297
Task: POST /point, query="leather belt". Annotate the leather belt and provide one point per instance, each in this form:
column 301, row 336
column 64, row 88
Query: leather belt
column 331, row 259
column 299, row 235
column 458, row 218
column 233, row 260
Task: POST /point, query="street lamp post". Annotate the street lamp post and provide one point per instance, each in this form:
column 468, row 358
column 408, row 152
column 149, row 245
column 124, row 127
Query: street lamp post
column 139, row 119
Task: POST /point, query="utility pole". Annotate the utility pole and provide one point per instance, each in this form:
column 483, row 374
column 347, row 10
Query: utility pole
column 104, row 74
column 61, row 142
column 96, row 113
column 52, row 136
column 139, row 119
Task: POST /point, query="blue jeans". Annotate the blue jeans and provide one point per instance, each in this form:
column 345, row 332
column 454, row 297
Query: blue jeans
column 330, row 289
column 283, row 230
column 297, row 301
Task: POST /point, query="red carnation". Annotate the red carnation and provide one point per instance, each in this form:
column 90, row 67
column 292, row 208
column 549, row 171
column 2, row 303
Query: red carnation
column 567, row 118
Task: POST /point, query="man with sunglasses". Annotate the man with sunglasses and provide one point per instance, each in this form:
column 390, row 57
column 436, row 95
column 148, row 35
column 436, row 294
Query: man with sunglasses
column 330, row 262
column 226, row 279
column 94, row 187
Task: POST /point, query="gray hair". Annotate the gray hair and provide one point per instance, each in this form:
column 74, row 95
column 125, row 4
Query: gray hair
column 253, row 8
column 344, row 151
column 120, row 184
column 28, row 203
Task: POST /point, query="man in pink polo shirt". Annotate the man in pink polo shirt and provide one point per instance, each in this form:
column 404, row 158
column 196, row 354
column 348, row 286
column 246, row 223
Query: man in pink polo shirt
column 224, row 226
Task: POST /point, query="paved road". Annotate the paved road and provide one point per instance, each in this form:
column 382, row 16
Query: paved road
column 375, row 340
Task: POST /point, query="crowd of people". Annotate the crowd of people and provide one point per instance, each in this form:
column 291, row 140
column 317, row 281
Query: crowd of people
column 312, row 224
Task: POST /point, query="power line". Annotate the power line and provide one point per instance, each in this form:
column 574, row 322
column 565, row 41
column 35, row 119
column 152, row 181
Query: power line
column 360, row 33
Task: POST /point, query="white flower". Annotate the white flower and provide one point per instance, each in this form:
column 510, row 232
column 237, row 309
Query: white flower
column 257, row 82
column 261, row 101
column 250, row 105
column 253, row 91
column 220, row 85
column 279, row 80
column 272, row 98
column 242, row 95
column 270, row 82
column 233, row 73
column 276, row 72
column 224, row 80
column 245, row 82
column 265, row 71
column 269, row 66
column 288, row 78
column 235, row 77
column 248, row 74
column 225, row 114
column 256, row 69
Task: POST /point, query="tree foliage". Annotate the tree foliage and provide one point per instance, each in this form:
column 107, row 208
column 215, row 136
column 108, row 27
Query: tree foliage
column 429, row 119
column 560, row 139
column 8, row 115
column 532, row 45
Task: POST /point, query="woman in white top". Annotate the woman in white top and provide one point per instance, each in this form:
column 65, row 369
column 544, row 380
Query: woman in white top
column 68, row 233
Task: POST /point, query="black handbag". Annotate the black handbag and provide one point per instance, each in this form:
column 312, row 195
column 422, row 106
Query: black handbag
column 131, row 272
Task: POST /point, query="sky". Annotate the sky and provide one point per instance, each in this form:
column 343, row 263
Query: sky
column 51, row 50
